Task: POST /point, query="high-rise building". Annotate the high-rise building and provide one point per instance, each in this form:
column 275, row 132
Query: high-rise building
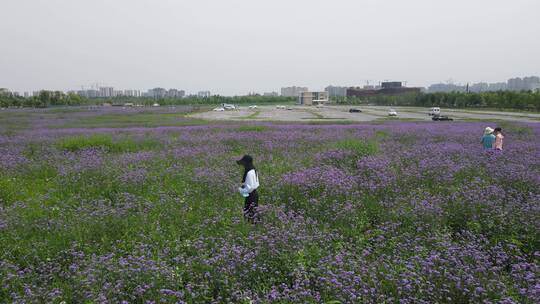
column 106, row 92
column 479, row 87
column 132, row 93
column 526, row 84
column 446, row 87
column 336, row 91
column 531, row 83
column 498, row 86
column 293, row 91
column 270, row 94
column 515, row 84
column 92, row 93
column 157, row 93
column 174, row 93
column 203, row 94
column 117, row 93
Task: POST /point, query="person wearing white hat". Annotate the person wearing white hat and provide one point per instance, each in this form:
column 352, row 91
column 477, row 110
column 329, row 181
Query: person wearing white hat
column 488, row 139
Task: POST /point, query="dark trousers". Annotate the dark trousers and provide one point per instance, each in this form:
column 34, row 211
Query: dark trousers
column 250, row 206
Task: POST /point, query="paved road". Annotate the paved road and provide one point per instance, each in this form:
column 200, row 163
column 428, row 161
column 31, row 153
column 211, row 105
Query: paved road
column 480, row 115
column 369, row 113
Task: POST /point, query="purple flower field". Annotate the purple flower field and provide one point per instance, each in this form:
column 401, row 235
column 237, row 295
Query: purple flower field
column 400, row 212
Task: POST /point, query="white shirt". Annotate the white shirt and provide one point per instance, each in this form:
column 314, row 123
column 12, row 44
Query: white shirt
column 251, row 183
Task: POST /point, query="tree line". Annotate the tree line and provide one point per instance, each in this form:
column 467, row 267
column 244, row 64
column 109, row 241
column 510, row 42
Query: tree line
column 212, row 100
column 42, row 100
column 525, row 100
column 57, row 98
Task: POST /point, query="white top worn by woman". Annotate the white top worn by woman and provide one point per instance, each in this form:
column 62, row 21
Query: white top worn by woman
column 251, row 183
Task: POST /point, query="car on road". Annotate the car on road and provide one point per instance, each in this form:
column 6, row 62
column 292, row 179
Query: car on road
column 441, row 118
column 227, row 106
column 280, row 107
column 434, row 111
column 289, row 108
column 355, row 111
column 253, row 107
column 219, row 109
column 392, row 113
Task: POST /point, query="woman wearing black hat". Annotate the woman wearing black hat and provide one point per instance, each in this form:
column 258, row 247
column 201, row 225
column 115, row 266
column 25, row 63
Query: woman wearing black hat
column 250, row 183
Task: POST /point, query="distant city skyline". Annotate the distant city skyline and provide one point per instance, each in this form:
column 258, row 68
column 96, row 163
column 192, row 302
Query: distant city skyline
column 527, row 83
column 291, row 90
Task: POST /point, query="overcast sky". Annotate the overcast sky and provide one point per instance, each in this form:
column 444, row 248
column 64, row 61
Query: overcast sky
column 238, row 46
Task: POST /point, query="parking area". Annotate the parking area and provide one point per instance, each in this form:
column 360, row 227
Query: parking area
column 368, row 113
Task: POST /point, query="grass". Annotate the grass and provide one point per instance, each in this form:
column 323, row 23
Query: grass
column 326, row 118
column 359, row 147
column 11, row 122
column 518, row 129
column 314, row 113
column 330, row 122
column 118, row 120
column 106, row 142
column 168, row 215
column 252, row 115
column 252, row 128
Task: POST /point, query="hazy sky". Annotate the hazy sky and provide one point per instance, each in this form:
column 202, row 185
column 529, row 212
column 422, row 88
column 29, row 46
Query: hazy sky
column 238, row 46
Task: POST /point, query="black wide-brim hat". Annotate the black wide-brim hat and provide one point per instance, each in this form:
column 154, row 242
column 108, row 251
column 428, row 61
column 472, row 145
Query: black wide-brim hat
column 246, row 159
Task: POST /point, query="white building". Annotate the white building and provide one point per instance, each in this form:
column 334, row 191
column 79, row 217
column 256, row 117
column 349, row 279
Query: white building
column 313, row 98
column 132, row 93
column 106, row 92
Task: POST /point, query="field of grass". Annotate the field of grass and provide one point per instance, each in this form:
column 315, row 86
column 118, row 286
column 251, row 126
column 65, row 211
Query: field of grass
column 104, row 206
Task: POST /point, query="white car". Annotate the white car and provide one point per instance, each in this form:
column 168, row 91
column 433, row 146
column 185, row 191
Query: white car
column 155, row 105
column 434, row 111
column 281, row 107
column 227, row 106
column 219, row 109
column 253, row 107
column 392, row 112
